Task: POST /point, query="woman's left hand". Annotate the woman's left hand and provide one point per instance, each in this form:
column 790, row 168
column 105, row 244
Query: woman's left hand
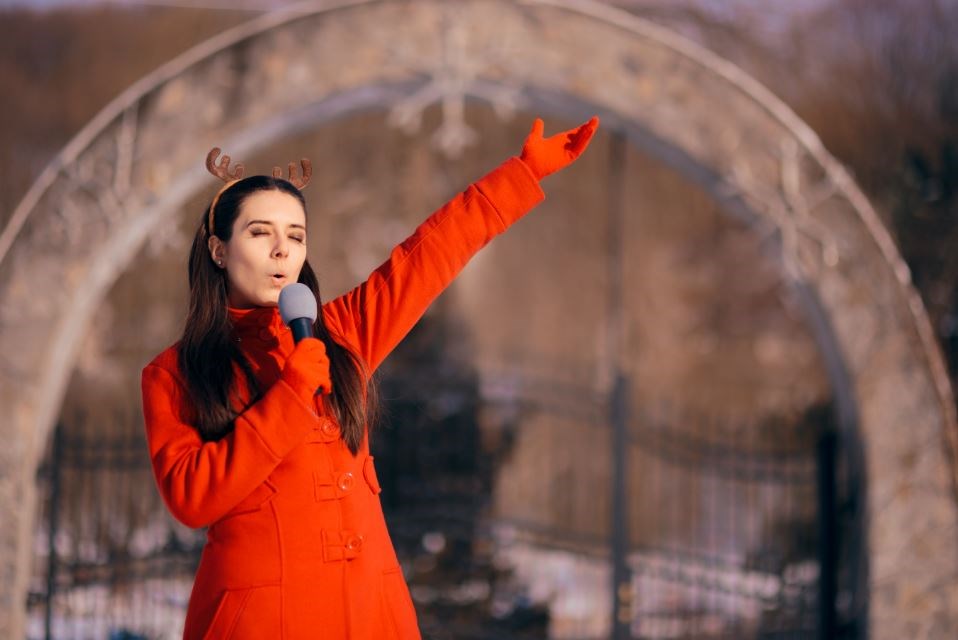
column 547, row 155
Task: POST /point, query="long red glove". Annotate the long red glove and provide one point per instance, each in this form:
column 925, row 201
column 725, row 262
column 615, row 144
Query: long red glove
column 547, row 155
column 307, row 369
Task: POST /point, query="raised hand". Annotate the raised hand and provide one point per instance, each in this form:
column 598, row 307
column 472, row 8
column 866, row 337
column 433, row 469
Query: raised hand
column 547, row 155
column 307, row 369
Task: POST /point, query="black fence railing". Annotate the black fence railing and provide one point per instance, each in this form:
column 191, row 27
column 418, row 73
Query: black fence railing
column 109, row 563
column 735, row 527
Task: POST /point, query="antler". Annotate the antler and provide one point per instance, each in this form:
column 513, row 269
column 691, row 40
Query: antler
column 222, row 171
column 299, row 183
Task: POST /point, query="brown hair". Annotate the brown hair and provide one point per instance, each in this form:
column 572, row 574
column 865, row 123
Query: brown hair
column 206, row 342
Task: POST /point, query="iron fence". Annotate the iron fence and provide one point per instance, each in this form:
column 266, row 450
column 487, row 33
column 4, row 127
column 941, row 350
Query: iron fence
column 730, row 522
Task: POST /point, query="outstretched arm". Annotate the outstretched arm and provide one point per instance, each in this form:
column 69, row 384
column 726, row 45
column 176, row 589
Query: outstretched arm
column 377, row 314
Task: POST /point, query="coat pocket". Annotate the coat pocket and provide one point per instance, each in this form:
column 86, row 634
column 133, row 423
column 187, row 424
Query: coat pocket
column 246, row 614
column 399, row 612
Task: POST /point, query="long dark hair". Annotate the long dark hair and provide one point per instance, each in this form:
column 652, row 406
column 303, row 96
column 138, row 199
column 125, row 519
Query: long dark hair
column 207, row 343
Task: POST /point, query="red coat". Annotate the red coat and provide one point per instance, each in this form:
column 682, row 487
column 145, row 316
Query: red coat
column 297, row 546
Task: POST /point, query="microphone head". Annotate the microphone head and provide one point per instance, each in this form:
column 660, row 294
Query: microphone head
column 297, row 301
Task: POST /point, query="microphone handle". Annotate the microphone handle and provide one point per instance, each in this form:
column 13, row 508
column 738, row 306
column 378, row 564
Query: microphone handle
column 302, row 328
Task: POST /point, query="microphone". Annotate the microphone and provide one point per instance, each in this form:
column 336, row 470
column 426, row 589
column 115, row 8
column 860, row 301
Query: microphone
column 297, row 306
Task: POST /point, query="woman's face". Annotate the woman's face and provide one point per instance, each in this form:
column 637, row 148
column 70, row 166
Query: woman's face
column 267, row 250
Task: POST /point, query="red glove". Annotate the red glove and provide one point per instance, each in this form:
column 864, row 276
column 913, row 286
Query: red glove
column 307, row 369
column 547, row 155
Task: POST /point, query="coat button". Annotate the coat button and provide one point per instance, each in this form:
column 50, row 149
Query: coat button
column 354, row 543
column 345, row 481
column 264, row 334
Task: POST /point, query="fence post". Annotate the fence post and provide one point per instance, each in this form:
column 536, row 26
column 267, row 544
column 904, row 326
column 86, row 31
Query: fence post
column 52, row 524
column 622, row 595
column 827, row 534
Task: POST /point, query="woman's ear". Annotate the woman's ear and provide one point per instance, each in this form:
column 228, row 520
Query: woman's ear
column 217, row 250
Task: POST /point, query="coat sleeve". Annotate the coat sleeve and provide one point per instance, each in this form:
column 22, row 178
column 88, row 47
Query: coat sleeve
column 377, row 314
column 201, row 481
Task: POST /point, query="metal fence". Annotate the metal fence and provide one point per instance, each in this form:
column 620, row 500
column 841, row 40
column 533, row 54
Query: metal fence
column 736, row 531
column 109, row 562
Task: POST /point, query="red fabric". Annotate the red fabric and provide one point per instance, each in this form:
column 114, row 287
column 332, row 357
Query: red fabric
column 297, row 546
column 544, row 156
column 307, row 369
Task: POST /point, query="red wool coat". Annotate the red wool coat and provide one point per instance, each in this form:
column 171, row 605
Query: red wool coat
column 297, row 546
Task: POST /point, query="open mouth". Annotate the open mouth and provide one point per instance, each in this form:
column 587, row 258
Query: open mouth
column 278, row 278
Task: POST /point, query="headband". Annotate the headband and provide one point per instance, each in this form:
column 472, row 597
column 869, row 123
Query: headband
column 222, row 171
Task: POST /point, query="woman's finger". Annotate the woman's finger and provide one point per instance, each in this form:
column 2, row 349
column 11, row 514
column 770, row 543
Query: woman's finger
column 581, row 137
column 537, row 129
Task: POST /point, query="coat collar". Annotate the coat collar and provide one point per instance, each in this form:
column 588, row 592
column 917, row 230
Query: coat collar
column 264, row 323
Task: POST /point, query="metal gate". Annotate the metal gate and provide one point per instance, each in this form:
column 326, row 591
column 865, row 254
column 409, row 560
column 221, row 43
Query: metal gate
column 758, row 542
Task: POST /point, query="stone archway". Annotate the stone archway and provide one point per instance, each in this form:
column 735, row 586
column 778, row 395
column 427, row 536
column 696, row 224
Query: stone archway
column 124, row 174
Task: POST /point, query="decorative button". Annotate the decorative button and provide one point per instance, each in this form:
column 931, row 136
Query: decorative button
column 345, row 481
column 341, row 545
column 354, row 543
column 264, row 334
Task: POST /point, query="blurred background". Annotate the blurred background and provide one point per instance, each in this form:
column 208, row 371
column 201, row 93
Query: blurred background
column 617, row 392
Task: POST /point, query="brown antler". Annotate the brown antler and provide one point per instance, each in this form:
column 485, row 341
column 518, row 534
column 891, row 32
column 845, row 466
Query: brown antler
column 222, row 171
column 299, row 183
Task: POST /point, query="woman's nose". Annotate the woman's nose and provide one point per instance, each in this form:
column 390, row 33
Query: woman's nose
column 281, row 248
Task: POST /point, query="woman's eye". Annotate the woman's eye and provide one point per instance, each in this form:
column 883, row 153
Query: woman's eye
column 298, row 239
column 258, row 233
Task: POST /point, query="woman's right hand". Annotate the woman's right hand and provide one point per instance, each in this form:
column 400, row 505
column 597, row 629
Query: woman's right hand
column 307, row 369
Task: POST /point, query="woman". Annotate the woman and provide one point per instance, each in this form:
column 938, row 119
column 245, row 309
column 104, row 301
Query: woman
column 266, row 442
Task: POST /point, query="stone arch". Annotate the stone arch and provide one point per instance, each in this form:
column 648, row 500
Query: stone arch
column 124, row 174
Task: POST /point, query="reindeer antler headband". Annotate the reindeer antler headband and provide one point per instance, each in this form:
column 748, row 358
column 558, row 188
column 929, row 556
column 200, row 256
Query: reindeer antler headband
column 222, row 171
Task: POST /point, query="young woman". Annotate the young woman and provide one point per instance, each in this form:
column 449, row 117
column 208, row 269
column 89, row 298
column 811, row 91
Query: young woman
column 266, row 442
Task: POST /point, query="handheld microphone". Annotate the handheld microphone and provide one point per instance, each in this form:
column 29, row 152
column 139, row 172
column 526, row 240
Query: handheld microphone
column 297, row 306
